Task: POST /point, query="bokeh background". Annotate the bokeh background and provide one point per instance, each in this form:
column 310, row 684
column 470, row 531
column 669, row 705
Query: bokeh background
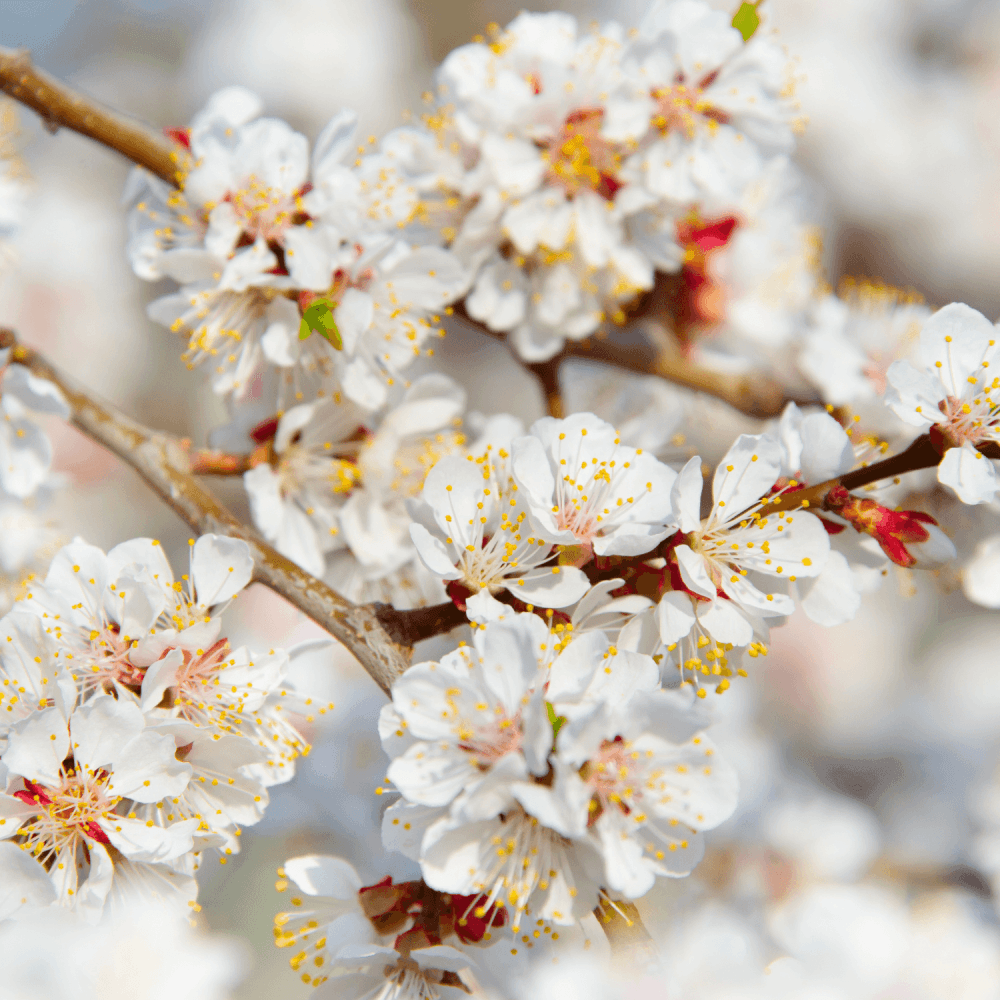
column 893, row 716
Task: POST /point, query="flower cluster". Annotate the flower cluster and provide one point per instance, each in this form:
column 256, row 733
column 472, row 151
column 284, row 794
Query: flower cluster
column 133, row 735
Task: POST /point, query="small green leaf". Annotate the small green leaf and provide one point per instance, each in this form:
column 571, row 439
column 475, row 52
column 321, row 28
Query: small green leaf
column 746, row 20
column 556, row 720
column 318, row 318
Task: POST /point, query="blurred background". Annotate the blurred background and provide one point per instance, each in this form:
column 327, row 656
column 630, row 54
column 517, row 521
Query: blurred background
column 873, row 718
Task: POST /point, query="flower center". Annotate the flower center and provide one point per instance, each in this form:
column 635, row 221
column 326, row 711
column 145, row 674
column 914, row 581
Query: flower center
column 299, row 468
column 610, row 775
column 488, row 743
column 109, row 661
column 973, row 420
column 581, row 159
column 66, row 813
column 264, row 212
column 681, row 108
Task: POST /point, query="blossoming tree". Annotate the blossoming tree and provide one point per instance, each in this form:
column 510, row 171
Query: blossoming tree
column 550, row 610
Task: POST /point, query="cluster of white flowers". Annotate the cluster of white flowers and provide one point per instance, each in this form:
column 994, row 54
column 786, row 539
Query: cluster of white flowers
column 133, row 735
column 548, row 756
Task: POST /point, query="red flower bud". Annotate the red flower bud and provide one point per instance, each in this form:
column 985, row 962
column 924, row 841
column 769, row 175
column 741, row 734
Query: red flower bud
column 892, row 529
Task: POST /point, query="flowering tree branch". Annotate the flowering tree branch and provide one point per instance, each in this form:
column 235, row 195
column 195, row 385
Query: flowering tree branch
column 60, row 106
column 162, row 461
column 753, row 393
column 921, row 454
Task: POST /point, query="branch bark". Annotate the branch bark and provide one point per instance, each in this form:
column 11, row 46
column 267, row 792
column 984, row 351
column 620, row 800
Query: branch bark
column 754, row 394
column 625, row 932
column 921, row 454
column 161, row 460
column 60, row 106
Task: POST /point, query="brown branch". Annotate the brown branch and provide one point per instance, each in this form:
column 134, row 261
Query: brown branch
column 755, row 394
column 208, row 462
column 162, row 462
column 547, row 373
column 625, row 932
column 60, row 106
column 921, row 454
column 409, row 627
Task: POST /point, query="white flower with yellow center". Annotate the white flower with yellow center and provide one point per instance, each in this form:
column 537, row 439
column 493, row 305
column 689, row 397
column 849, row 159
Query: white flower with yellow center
column 715, row 556
column 477, row 717
column 295, row 501
column 25, row 449
column 70, row 792
column 481, row 537
column 583, row 487
column 717, row 106
column 470, row 739
column 644, row 782
column 955, row 394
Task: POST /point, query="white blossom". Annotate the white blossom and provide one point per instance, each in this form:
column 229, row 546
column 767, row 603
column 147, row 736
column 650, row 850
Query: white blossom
column 582, row 487
column 951, row 392
column 70, row 786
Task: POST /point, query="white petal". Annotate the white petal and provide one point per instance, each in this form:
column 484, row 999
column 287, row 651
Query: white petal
column 969, row 473
column 35, row 393
column 685, row 495
column 724, row 623
column 826, row 449
column 433, row 553
column 694, row 572
column 746, row 473
column 981, row 576
column 322, row 875
column 832, row 597
column 101, row 728
column 675, row 616
column 23, row 881
column 37, row 746
column 220, row 567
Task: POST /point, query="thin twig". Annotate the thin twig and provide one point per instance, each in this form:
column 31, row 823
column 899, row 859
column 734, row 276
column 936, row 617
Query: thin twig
column 753, row 393
column 60, row 106
column 921, row 454
column 547, row 373
column 625, row 932
column 162, row 462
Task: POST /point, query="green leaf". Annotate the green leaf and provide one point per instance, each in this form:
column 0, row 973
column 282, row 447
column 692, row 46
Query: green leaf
column 556, row 720
column 746, row 20
column 318, row 318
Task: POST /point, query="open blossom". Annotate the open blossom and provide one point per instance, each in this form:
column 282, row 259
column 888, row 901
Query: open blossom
column 386, row 300
column 470, row 739
column 481, row 538
column 718, row 106
column 951, row 394
column 643, row 781
column 853, row 338
column 71, row 785
column 295, row 501
column 582, row 487
column 715, row 556
column 378, row 560
column 115, row 614
column 25, row 449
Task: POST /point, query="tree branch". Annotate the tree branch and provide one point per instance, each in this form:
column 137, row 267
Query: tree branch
column 60, row 106
column 162, row 462
column 754, row 394
column 547, row 373
column 921, row 454
column 625, row 932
